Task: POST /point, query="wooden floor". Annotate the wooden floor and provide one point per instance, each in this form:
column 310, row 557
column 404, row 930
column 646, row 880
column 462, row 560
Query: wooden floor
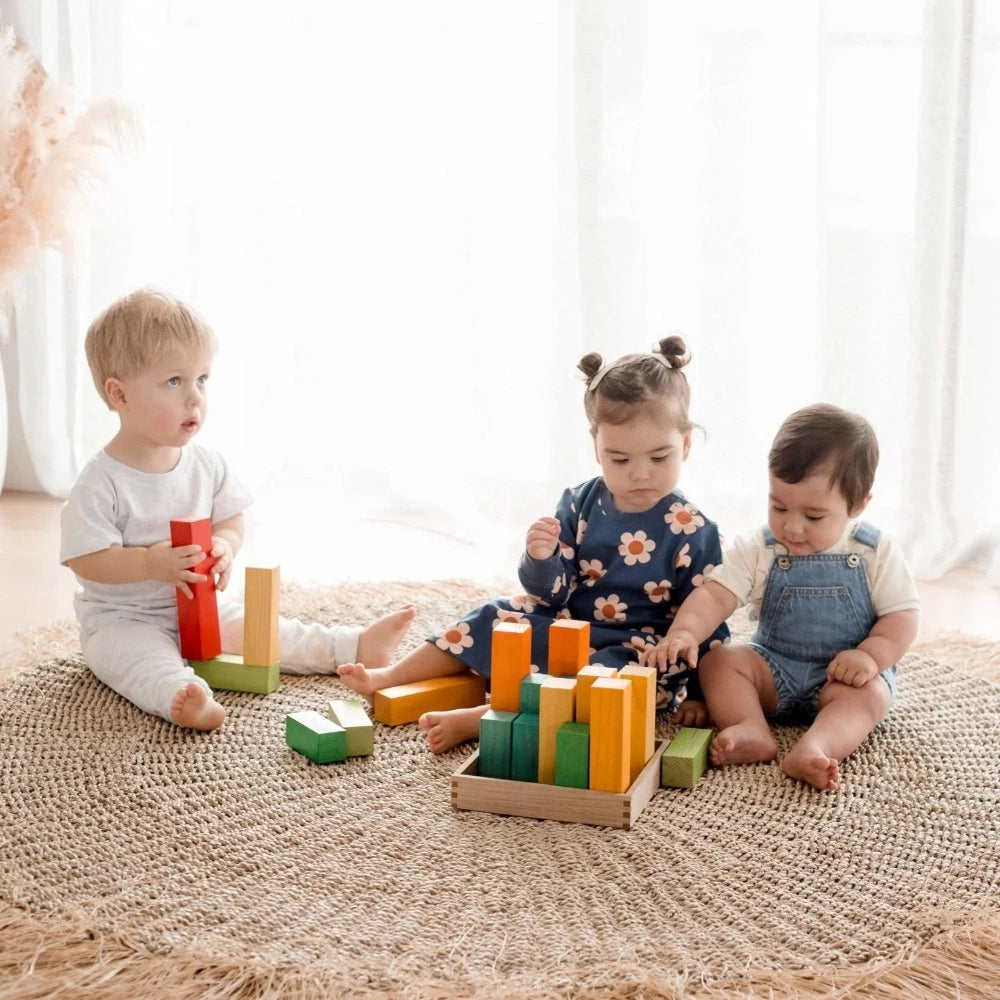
column 36, row 590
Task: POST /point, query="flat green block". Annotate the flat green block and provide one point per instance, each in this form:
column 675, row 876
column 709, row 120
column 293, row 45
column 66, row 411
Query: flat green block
column 524, row 748
column 228, row 672
column 573, row 755
column 495, row 740
column 685, row 760
column 316, row 737
column 531, row 688
column 350, row 714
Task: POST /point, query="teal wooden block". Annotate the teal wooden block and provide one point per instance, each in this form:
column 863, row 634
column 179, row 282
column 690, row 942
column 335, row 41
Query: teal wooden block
column 350, row 714
column 228, row 672
column 495, row 741
column 524, row 748
column 531, row 688
column 573, row 755
column 686, row 759
column 316, row 737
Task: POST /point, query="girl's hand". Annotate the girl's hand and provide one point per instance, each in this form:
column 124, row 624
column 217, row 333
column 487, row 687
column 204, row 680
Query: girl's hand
column 853, row 666
column 542, row 539
column 674, row 646
column 222, row 568
column 173, row 565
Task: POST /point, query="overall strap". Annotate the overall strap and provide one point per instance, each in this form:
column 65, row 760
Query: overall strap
column 866, row 534
column 769, row 538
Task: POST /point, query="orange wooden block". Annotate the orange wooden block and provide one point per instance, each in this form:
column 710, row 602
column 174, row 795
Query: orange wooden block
column 197, row 617
column 610, row 734
column 511, row 663
column 260, row 615
column 556, row 699
column 569, row 647
column 643, row 716
column 584, row 681
column 407, row 702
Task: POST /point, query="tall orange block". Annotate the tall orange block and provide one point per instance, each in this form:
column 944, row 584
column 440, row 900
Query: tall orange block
column 643, row 715
column 610, row 734
column 556, row 702
column 198, row 616
column 569, row 647
column 584, row 681
column 511, row 663
column 260, row 615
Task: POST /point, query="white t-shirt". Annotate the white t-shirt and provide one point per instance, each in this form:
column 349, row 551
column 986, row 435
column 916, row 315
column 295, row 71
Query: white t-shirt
column 747, row 562
column 114, row 504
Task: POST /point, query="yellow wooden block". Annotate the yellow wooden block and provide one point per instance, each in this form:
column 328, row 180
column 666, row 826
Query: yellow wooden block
column 569, row 647
column 407, row 702
column 610, row 734
column 643, row 681
column 556, row 700
column 511, row 663
column 260, row 615
column 584, row 680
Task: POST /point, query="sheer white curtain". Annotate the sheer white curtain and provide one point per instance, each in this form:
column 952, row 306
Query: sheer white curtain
column 407, row 221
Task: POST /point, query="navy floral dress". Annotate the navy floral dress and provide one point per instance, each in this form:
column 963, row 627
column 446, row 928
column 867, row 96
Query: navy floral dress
column 626, row 574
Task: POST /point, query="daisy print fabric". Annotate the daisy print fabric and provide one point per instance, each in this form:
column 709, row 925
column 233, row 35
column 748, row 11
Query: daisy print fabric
column 624, row 573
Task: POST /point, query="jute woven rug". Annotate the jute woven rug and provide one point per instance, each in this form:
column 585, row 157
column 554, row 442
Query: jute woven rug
column 141, row 861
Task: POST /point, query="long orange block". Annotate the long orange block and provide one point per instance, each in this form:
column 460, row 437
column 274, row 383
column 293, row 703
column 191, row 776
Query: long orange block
column 511, row 663
column 610, row 734
column 643, row 715
column 407, row 702
column 584, row 681
column 569, row 647
column 260, row 615
column 556, row 701
column 197, row 617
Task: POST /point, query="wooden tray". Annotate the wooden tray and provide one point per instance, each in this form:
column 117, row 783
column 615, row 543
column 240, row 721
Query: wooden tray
column 569, row 805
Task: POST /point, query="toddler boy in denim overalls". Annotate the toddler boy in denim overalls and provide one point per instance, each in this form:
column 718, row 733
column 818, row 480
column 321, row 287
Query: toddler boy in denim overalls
column 835, row 603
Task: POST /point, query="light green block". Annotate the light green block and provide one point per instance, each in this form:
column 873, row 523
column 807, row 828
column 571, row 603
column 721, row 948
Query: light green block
column 573, row 755
column 316, row 737
column 685, row 760
column 228, row 672
column 350, row 714
column 524, row 748
column 495, row 740
column 531, row 688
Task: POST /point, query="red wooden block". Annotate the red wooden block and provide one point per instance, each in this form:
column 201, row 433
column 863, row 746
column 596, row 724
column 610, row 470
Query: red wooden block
column 197, row 617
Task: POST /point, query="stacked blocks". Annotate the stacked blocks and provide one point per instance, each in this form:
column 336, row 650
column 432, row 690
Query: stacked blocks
column 686, row 759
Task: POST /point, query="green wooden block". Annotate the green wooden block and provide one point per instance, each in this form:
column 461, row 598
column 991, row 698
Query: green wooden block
column 228, row 672
column 495, row 739
column 573, row 755
column 316, row 737
column 685, row 760
column 531, row 692
column 350, row 714
column 524, row 748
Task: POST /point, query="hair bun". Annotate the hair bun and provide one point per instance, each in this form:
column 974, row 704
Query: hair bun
column 674, row 350
column 590, row 364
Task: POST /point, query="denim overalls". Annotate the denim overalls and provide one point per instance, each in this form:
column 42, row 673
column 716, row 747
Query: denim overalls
column 814, row 607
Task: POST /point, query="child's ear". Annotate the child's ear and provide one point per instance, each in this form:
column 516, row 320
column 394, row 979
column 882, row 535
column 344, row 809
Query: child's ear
column 687, row 445
column 859, row 507
column 115, row 392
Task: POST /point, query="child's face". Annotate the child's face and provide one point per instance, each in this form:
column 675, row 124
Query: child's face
column 165, row 405
column 641, row 460
column 808, row 516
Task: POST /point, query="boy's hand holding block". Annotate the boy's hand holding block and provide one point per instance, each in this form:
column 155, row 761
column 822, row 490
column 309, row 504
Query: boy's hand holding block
column 395, row 706
column 686, row 759
column 198, row 616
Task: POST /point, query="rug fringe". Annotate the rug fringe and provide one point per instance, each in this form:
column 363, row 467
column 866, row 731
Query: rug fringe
column 58, row 958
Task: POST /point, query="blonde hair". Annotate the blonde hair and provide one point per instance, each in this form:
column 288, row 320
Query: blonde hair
column 614, row 391
column 137, row 330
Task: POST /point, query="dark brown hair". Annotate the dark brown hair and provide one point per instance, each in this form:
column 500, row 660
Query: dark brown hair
column 816, row 434
column 615, row 391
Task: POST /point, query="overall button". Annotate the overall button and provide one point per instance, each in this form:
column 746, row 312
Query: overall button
column 853, row 559
column 784, row 562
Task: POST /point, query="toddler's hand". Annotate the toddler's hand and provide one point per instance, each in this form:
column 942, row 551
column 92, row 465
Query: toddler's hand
column 852, row 666
column 173, row 565
column 222, row 568
column 543, row 538
column 674, row 646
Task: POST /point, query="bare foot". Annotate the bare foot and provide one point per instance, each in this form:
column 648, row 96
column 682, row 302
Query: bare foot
column 378, row 642
column 360, row 679
column 447, row 729
column 691, row 713
column 195, row 708
column 808, row 763
column 742, row 744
